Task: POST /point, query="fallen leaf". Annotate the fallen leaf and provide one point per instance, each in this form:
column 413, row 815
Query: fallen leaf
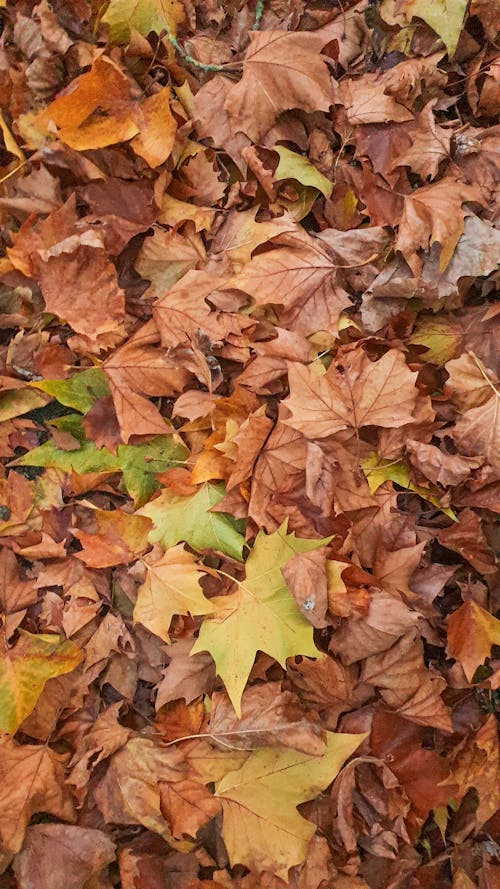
column 24, row 670
column 261, row 826
column 190, row 519
column 172, row 586
column 471, row 633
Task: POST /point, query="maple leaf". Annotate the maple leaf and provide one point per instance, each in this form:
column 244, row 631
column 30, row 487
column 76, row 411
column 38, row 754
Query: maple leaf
column 261, row 826
column 365, row 393
column 24, row 670
column 130, row 791
column 172, row 586
column 117, row 540
column 476, row 765
column 302, row 277
column 79, row 391
column 294, row 166
column 191, row 520
column 281, row 70
column 260, row 616
column 269, row 716
column 471, row 633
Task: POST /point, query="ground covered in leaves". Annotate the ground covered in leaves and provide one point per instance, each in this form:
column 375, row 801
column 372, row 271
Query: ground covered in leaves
column 249, row 430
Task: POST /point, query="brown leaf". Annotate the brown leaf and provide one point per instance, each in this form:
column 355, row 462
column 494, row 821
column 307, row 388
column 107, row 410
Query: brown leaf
column 269, row 716
column 357, row 392
column 471, row 634
column 32, row 781
column 60, row 856
column 281, row 70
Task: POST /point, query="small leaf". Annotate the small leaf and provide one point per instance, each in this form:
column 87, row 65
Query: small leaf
column 471, row 633
column 144, row 16
column 172, row 586
column 295, row 166
column 445, row 17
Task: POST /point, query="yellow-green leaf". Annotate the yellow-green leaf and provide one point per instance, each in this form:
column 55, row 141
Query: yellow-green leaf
column 24, row 670
column 172, row 586
column 79, row 391
column 261, row 615
column 378, row 470
column 189, row 520
column 261, row 826
column 144, row 16
column 445, row 17
column 295, row 166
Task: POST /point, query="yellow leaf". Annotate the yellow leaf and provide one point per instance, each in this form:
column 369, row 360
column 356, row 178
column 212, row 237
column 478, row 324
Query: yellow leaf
column 172, row 586
column 261, row 615
column 261, row 826
column 445, row 17
column 377, row 471
column 294, row 166
column 24, row 670
column 144, row 16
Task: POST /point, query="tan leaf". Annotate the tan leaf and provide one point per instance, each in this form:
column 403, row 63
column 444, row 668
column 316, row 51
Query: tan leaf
column 366, row 393
column 471, row 634
column 269, row 717
column 32, row 780
column 281, row 70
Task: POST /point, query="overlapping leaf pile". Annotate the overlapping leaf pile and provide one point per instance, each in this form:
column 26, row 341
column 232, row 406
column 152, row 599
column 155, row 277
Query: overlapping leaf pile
column 249, row 430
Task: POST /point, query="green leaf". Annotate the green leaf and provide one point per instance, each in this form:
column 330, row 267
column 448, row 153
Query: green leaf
column 262, row 828
column 24, row 670
column 295, row 166
column 144, row 16
column 138, row 463
column 80, row 391
column 445, row 17
column 377, row 471
column 261, row 615
column 189, row 520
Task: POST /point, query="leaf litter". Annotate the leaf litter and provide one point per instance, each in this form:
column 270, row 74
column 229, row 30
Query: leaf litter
column 249, row 432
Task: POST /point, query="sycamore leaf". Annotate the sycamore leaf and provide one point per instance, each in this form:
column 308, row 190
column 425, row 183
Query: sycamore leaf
column 261, row 615
column 471, row 633
column 445, row 17
column 366, row 393
column 138, row 463
column 295, row 166
column 79, row 391
column 261, row 826
column 143, row 16
column 172, row 586
column 189, row 519
column 24, row 670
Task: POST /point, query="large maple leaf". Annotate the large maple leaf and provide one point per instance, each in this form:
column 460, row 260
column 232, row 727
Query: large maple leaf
column 260, row 616
column 261, row 826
